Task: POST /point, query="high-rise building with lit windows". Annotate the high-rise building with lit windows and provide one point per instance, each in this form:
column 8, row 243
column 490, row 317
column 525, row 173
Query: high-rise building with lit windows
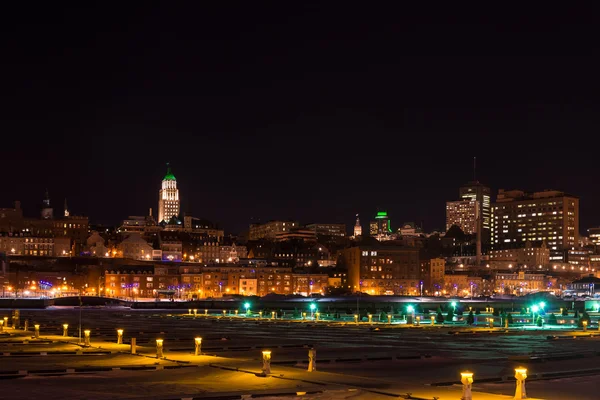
column 475, row 191
column 168, row 197
column 462, row 213
column 381, row 228
column 551, row 216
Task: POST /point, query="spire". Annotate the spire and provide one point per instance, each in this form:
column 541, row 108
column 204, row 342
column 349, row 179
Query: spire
column 169, row 176
column 357, row 227
column 66, row 208
column 475, row 169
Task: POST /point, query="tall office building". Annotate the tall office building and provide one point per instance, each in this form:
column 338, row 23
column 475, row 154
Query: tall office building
column 168, row 197
column 475, row 191
column 551, row 216
column 462, row 213
column 381, row 228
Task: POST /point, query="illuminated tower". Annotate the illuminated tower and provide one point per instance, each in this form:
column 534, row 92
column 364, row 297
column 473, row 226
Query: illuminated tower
column 168, row 197
column 357, row 227
column 66, row 208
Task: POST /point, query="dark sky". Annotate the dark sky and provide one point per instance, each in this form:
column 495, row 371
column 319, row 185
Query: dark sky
column 291, row 110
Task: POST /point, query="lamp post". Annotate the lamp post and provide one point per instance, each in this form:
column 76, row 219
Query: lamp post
column 312, row 309
column 466, row 379
column 534, row 309
column 520, row 376
column 312, row 359
column 87, row 333
column 247, row 307
column 119, row 336
column 159, row 348
column 411, row 310
column 266, row 369
column 65, row 330
column 198, row 344
column 36, row 331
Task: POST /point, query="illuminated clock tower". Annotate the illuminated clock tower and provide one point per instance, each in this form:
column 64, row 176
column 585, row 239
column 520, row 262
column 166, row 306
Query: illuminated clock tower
column 168, row 197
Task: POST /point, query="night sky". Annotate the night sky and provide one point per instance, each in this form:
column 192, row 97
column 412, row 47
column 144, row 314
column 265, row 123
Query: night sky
column 294, row 110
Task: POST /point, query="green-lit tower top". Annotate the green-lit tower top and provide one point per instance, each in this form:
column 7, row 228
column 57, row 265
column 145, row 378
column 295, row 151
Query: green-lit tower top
column 169, row 176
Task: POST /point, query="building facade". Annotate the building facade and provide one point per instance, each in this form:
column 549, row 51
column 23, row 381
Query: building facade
column 462, row 213
column 168, row 198
column 382, row 269
column 481, row 194
column 381, row 228
column 336, row 230
column 269, row 230
column 550, row 216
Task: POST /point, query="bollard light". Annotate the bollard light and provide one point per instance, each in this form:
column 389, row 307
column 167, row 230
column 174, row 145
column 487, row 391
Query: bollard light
column 370, row 316
column 317, row 315
column 266, row 369
column 206, row 312
column 418, row 320
column 520, row 376
column 272, row 314
column 389, row 317
column 159, row 348
column 6, row 321
column 466, row 378
column 584, row 323
column 303, row 316
column 119, row 336
column 1, row 325
column 356, row 318
column 87, row 333
column 189, row 311
column 312, row 359
column 65, row 329
column 198, row 343
column 432, row 320
column 224, row 312
column 260, row 314
column 195, row 312
column 37, row 331
column 236, row 312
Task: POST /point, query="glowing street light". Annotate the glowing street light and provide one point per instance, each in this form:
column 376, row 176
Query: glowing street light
column 411, row 310
column 198, row 343
column 247, row 307
column 466, row 379
column 159, row 348
column 312, row 307
column 520, row 376
column 119, row 336
column 266, row 369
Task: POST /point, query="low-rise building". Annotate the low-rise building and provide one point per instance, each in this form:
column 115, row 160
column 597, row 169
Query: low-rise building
column 382, row 269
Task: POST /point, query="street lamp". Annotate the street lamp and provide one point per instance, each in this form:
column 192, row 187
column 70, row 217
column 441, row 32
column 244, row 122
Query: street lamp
column 312, row 309
column 247, row 307
column 411, row 310
column 534, row 309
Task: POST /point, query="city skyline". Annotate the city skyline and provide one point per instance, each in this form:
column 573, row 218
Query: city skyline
column 116, row 221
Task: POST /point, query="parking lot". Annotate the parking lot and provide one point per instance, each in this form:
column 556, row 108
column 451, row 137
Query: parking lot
column 368, row 360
